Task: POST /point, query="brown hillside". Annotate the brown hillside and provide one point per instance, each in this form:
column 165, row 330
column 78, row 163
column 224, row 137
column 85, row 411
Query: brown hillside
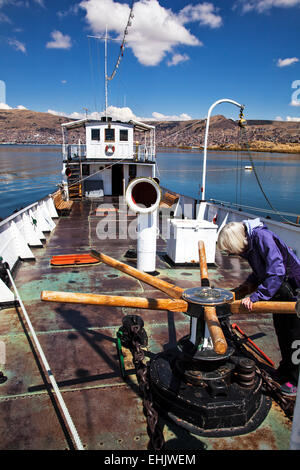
column 24, row 126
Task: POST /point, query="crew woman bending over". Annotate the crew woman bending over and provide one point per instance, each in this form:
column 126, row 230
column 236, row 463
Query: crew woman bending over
column 275, row 276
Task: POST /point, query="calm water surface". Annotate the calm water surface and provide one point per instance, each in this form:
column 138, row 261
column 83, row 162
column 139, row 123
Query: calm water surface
column 28, row 173
column 228, row 180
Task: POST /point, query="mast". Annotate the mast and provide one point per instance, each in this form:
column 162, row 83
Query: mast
column 105, row 71
column 106, row 38
column 123, row 42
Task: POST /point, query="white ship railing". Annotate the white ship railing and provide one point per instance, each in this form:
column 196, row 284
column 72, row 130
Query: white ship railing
column 73, row 151
column 146, row 153
column 234, row 205
column 190, row 208
column 143, row 153
column 22, row 231
column 222, row 215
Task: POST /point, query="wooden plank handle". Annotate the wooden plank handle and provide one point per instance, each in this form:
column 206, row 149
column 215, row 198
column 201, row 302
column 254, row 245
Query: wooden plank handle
column 170, row 289
column 203, row 264
column 215, row 330
column 210, row 314
column 264, row 307
column 177, row 305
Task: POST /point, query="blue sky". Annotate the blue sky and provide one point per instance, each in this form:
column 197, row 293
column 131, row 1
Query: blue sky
column 179, row 57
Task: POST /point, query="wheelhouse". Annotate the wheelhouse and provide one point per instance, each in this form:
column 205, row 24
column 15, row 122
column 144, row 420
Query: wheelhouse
column 106, row 157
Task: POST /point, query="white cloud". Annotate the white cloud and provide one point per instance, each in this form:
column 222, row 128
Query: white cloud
column 60, row 41
column 4, row 18
column 163, row 117
column 155, row 30
column 295, row 102
column 278, row 118
column 17, row 45
column 177, row 58
column 286, row 62
column 63, row 82
column 293, row 119
column 264, row 5
column 6, row 106
column 122, row 114
column 72, row 10
column 205, row 13
column 57, row 113
column 17, row 4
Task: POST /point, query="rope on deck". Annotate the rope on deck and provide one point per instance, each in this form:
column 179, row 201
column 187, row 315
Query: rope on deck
column 64, row 409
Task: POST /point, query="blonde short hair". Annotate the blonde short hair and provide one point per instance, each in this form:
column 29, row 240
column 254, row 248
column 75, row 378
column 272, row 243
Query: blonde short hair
column 232, row 238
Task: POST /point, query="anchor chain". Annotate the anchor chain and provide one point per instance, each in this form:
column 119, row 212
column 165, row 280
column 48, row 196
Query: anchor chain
column 134, row 337
column 287, row 404
column 270, row 385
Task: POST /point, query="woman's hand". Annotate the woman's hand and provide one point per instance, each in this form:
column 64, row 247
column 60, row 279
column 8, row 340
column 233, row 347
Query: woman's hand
column 247, row 303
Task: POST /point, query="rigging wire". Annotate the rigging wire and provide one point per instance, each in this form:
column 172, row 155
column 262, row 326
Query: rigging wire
column 122, row 47
column 181, row 130
column 80, row 180
column 239, row 177
column 243, row 130
column 236, row 178
column 257, row 209
column 92, row 74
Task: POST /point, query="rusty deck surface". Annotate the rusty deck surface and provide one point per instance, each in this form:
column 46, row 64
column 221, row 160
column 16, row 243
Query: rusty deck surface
column 79, row 342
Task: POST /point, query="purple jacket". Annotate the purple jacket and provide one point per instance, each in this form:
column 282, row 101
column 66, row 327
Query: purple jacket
column 270, row 259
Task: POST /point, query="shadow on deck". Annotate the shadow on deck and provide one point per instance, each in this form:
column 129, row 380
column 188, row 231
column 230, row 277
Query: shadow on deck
column 79, row 342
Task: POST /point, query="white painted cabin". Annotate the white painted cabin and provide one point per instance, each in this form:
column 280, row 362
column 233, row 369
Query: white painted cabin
column 114, row 153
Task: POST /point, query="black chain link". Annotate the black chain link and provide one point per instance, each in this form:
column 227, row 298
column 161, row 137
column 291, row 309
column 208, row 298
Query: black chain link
column 135, row 336
column 271, row 387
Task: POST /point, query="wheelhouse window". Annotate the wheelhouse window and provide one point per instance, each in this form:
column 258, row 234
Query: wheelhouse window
column 95, row 134
column 123, row 135
column 109, row 135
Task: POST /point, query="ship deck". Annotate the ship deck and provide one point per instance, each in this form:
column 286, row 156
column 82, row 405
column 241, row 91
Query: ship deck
column 79, row 342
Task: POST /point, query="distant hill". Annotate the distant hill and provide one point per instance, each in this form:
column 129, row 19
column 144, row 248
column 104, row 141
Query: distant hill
column 281, row 136
column 25, row 126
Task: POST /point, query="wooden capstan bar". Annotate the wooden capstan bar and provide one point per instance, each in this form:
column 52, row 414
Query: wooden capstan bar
column 178, row 302
column 206, row 383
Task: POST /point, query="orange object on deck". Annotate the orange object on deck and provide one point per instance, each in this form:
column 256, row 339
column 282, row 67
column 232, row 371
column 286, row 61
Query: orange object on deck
column 73, row 260
column 236, row 327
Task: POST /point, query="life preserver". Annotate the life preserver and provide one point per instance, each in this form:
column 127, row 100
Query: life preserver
column 110, row 149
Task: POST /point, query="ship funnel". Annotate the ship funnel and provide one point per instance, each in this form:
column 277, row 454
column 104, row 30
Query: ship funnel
column 143, row 197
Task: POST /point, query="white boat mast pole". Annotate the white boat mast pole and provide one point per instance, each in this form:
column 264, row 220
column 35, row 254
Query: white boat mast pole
column 225, row 100
column 106, row 72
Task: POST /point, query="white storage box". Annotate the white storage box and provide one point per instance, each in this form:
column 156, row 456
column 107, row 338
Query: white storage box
column 184, row 235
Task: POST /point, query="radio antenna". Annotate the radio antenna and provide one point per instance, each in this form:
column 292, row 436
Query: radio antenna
column 121, row 53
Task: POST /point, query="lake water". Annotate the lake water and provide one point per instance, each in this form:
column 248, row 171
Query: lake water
column 228, row 180
column 28, row 173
